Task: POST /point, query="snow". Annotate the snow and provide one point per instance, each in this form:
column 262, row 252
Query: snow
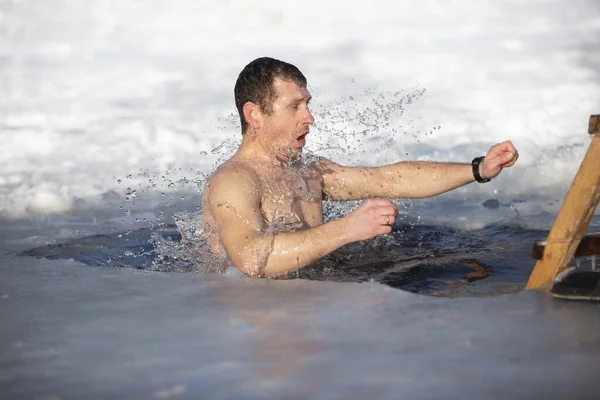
column 112, row 111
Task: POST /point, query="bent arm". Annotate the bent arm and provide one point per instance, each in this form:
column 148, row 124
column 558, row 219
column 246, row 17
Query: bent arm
column 234, row 201
column 290, row 251
column 413, row 179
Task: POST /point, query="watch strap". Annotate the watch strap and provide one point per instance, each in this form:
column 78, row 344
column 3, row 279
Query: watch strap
column 475, row 164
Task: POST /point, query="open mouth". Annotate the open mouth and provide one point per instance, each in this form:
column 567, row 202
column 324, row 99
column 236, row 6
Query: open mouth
column 302, row 139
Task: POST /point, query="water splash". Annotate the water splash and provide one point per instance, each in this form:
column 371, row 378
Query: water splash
column 349, row 128
column 191, row 253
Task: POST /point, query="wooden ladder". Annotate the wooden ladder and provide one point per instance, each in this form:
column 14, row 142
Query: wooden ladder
column 567, row 237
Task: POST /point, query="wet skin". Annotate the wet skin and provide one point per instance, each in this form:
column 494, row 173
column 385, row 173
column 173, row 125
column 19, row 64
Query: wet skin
column 262, row 207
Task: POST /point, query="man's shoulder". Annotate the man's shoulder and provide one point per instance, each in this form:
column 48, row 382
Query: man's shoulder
column 232, row 175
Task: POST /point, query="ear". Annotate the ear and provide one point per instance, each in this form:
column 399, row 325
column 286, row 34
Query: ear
column 252, row 114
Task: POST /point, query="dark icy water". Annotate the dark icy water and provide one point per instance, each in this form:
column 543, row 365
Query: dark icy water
column 433, row 260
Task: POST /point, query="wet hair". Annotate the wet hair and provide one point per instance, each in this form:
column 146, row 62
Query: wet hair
column 255, row 84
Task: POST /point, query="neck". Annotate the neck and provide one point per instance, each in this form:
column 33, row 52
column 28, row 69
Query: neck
column 257, row 150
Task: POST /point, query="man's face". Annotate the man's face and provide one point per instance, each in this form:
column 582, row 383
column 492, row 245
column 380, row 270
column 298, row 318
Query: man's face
column 287, row 125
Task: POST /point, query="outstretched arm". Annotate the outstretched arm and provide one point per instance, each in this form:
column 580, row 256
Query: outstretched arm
column 413, row 179
column 234, row 200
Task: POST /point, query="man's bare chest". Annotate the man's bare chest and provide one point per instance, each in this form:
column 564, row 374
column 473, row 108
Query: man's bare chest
column 292, row 200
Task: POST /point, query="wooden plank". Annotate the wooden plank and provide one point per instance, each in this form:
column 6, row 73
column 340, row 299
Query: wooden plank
column 573, row 218
column 590, row 244
column 594, row 126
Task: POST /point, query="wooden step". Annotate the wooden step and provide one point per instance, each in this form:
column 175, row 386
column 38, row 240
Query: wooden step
column 574, row 216
column 589, row 245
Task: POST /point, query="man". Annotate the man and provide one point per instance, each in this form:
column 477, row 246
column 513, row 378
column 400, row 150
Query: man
column 263, row 206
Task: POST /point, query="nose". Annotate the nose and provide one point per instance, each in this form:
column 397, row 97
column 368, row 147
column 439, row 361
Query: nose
column 309, row 118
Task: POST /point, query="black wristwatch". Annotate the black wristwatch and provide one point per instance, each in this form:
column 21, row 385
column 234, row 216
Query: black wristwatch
column 475, row 164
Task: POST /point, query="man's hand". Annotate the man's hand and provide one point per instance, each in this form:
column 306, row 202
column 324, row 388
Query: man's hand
column 372, row 218
column 501, row 155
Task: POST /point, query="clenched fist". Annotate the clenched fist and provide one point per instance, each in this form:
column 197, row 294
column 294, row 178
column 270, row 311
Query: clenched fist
column 501, row 155
column 372, row 218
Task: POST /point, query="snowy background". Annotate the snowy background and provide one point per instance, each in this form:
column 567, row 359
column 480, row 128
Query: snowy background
column 113, row 112
column 104, row 104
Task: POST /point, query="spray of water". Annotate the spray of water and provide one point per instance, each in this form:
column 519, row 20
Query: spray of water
column 345, row 132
